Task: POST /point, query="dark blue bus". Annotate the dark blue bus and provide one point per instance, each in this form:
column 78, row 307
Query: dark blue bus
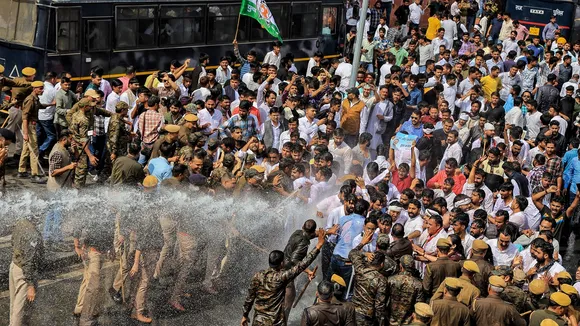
column 535, row 14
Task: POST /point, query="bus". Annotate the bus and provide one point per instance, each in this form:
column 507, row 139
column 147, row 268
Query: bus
column 76, row 35
column 535, row 14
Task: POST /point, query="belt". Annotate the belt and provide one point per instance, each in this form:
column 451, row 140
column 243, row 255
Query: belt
column 338, row 257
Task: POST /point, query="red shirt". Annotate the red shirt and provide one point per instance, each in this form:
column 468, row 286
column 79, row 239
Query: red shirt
column 253, row 111
column 428, row 119
column 440, row 178
column 401, row 184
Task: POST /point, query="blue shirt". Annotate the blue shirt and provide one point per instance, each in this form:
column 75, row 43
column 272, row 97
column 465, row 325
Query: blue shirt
column 572, row 175
column 160, row 168
column 350, row 226
column 415, row 96
column 509, row 103
column 408, row 127
column 569, row 156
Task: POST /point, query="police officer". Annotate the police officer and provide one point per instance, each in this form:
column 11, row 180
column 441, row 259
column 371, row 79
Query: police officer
column 493, row 310
column 469, row 292
column 327, row 312
column 556, row 311
column 438, row 270
column 267, row 288
column 404, row 290
column 422, row 315
column 448, row 310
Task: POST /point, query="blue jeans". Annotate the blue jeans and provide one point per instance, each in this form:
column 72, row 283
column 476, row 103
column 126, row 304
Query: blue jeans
column 422, row 69
column 98, row 148
column 46, row 134
column 52, row 231
column 341, row 268
column 368, row 66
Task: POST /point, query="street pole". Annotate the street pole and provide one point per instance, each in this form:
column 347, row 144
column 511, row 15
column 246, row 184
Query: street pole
column 358, row 43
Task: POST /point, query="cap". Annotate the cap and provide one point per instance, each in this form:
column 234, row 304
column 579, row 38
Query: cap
column 213, row 142
column 353, row 90
column 537, row 287
column 37, row 84
column 251, row 173
column 86, row 102
column 172, row 128
column 561, row 40
column 563, row 275
column 1, row 69
column 346, row 177
column 423, row 310
column 497, row 281
column 464, row 116
column 29, row 71
column 548, row 322
column 150, row 181
column 568, row 289
column 258, row 168
column 453, row 283
column 479, row 245
column 121, row 105
column 407, row 261
column 92, row 93
column 488, row 126
column 477, row 27
column 383, row 240
column 561, row 299
column 519, row 275
column 503, row 270
column 443, row 243
column 471, row 266
column 191, row 108
column 190, row 117
column 338, row 280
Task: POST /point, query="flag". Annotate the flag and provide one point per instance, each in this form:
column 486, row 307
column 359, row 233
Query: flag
column 258, row 9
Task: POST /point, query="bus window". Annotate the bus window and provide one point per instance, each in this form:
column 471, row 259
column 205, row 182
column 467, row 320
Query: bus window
column 222, row 22
column 181, row 25
column 136, row 27
column 305, row 20
column 329, row 15
column 98, row 35
column 68, row 29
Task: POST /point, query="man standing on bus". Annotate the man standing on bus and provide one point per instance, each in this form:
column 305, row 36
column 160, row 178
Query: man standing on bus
column 273, row 57
column 550, row 29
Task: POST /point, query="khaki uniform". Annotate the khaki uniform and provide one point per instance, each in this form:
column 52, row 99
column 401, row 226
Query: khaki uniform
column 27, row 256
column 494, row 311
column 481, row 279
column 467, row 295
column 30, row 109
column 118, row 136
column 449, row 312
column 18, row 84
column 404, row 291
column 437, row 271
column 127, row 171
column 539, row 315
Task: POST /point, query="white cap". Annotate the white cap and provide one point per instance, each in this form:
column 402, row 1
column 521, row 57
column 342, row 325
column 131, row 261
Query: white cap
column 488, row 126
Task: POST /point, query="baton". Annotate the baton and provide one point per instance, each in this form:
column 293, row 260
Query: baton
column 32, row 152
column 76, row 161
column 305, row 287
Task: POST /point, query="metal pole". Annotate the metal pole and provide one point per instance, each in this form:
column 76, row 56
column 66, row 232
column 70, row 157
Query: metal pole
column 358, row 43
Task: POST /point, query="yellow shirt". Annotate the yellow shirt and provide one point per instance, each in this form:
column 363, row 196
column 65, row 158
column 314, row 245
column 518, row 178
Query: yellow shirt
column 490, row 85
column 434, row 25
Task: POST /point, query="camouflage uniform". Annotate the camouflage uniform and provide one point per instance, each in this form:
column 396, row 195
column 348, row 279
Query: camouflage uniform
column 515, row 296
column 370, row 289
column 404, row 291
column 267, row 290
column 81, row 123
column 119, row 137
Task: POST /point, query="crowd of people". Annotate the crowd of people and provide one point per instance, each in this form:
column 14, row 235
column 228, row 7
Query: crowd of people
column 465, row 225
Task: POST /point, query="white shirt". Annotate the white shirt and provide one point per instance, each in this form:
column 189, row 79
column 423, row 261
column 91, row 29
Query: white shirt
column 385, row 70
column 533, row 124
column 222, row 76
column 555, row 269
column 214, row 119
column 112, row 101
column 284, row 138
column 502, row 257
column 333, row 218
column 344, row 70
column 307, row 129
column 47, row 97
column 129, row 97
column 311, row 63
column 448, row 198
column 341, row 154
column 468, row 189
column 431, row 246
column 450, row 94
column 454, row 151
column 328, row 204
column 500, row 204
column 272, row 59
column 563, row 124
column 201, row 94
column 514, row 117
column 519, row 220
column 413, row 224
column 415, row 13
column 566, row 84
column 467, row 244
column 369, row 247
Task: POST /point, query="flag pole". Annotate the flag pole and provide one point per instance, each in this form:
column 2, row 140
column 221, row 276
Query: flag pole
column 238, row 26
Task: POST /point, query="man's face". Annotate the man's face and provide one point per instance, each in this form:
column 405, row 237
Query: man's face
column 451, row 139
column 438, row 73
column 292, row 126
column 503, row 241
column 478, row 180
column 449, row 170
column 447, row 188
column 134, row 87
column 360, row 78
column 546, row 226
column 174, row 109
column 458, row 228
column 476, row 231
column 516, row 150
column 415, row 119
column 505, row 194
column 433, row 113
column 550, row 149
column 295, row 174
column 475, row 199
column 447, row 127
column 97, row 80
column 66, row 86
column 237, row 134
column 286, row 153
column 555, row 208
column 224, row 64
column 195, row 165
column 432, row 227
column 413, row 210
column 243, row 113
column 296, row 156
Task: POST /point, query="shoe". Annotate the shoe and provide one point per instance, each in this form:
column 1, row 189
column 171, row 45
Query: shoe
column 38, row 179
column 45, row 157
column 23, row 175
column 140, row 318
column 116, row 295
column 93, row 173
column 177, row 306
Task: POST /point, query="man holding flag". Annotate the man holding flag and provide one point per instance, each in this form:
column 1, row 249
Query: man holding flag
column 258, row 9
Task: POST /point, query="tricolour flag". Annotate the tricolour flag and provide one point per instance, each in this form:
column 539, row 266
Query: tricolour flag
column 258, row 9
